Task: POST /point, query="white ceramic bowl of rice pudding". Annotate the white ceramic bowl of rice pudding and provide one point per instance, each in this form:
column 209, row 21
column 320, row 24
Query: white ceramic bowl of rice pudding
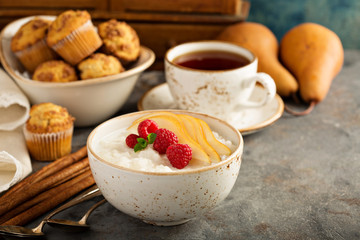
column 145, row 185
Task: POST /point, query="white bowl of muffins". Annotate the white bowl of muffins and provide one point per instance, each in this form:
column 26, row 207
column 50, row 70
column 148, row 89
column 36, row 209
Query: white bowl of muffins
column 68, row 61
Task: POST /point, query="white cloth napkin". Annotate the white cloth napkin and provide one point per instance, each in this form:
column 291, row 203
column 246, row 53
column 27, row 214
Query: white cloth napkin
column 15, row 163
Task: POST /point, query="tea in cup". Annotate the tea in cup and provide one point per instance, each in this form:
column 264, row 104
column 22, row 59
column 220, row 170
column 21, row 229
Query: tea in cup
column 215, row 77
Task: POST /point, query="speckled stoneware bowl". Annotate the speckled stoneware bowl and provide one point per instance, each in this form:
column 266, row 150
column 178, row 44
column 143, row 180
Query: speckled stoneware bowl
column 89, row 101
column 165, row 199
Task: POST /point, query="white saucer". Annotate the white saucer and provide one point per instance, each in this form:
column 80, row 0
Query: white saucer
column 248, row 121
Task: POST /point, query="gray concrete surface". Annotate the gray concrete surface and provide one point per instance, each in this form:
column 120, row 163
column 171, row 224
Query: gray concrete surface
column 299, row 179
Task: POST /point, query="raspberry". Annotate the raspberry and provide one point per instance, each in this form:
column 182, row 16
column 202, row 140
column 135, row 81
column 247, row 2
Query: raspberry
column 164, row 138
column 147, row 126
column 131, row 140
column 179, row 155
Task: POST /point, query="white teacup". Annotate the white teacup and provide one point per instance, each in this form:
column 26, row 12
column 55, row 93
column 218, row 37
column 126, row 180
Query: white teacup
column 215, row 92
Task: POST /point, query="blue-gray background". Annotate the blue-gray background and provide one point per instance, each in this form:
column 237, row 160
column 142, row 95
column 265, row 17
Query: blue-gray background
column 341, row 16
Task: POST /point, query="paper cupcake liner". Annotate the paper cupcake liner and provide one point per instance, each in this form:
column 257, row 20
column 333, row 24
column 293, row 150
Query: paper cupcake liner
column 48, row 146
column 79, row 44
column 33, row 56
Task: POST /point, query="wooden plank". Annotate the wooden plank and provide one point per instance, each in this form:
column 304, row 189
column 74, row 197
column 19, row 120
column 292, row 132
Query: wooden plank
column 139, row 17
column 231, row 7
column 46, row 4
column 171, row 17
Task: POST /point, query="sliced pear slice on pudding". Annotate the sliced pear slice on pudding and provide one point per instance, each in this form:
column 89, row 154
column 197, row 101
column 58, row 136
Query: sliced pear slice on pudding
column 194, row 126
column 135, row 124
column 189, row 126
column 219, row 147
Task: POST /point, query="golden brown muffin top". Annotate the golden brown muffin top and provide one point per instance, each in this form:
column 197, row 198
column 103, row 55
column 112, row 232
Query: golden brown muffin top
column 48, row 118
column 99, row 65
column 120, row 39
column 65, row 24
column 55, row 71
column 30, row 33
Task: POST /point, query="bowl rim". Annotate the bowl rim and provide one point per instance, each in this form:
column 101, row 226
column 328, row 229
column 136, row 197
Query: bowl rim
column 144, row 51
column 239, row 148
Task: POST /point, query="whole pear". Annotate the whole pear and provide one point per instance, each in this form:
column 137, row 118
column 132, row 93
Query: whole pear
column 263, row 43
column 315, row 55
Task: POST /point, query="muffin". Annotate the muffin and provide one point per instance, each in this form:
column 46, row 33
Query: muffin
column 99, row 65
column 55, row 71
column 48, row 132
column 73, row 36
column 120, row 40
column 29, row 44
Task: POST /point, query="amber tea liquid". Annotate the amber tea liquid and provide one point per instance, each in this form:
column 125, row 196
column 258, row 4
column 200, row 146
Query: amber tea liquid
column 211, row 60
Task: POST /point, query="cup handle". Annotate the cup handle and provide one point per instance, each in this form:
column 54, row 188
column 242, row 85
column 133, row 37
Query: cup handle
column 269, row 85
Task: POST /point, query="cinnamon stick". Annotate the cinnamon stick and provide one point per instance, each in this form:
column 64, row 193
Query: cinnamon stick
column 41, row 197
column 32, row 190
column 50, row 202
column 47, row 170
column 71, row 176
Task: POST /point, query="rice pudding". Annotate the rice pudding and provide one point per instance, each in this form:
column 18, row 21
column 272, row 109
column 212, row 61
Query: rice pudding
column 113, row 149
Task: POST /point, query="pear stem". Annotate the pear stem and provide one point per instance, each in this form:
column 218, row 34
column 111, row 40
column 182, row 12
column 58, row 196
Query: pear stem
column 305, row 112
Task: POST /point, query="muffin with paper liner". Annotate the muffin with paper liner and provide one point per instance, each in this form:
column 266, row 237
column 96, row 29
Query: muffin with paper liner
column 73, row 36
column 29, row 44
column 48, row 131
